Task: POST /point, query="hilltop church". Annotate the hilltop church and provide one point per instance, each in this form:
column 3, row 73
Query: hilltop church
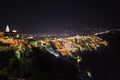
column 9, row 33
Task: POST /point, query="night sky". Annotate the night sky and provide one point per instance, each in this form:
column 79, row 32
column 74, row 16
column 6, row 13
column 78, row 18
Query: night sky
column 57, row 16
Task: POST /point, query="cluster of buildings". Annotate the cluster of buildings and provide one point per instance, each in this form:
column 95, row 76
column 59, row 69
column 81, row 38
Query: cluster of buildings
column 71, row 46
column 9, row 33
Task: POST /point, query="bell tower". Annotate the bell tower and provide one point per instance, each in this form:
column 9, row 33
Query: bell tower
column 7, row 29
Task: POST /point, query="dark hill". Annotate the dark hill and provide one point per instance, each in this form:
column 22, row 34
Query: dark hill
column 105, row 62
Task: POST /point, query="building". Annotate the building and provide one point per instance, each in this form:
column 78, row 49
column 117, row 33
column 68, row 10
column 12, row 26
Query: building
column 7, row 29
column 11, row 33
column 2, row 34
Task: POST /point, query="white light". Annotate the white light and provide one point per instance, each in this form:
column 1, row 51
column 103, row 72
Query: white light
column 7, row 29
column 14, row 31
column 31, row 37
column 17, row 36
column 56, row 54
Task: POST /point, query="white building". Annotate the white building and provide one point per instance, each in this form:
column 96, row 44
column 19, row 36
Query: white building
column 7, row 29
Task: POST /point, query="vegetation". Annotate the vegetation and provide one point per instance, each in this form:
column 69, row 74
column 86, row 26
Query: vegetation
column 38, row 65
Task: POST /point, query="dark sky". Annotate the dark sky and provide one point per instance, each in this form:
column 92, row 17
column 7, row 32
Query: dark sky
column 56, row 16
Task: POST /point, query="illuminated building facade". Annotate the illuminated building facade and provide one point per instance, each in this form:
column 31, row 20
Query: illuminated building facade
column 2, row 34
column 11, row 33
column 7, row 29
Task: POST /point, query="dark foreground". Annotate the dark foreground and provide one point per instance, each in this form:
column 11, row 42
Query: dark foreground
column 105, row 62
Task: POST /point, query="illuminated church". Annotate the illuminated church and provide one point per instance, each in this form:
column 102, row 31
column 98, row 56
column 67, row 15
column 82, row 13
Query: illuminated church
column 9, row 33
